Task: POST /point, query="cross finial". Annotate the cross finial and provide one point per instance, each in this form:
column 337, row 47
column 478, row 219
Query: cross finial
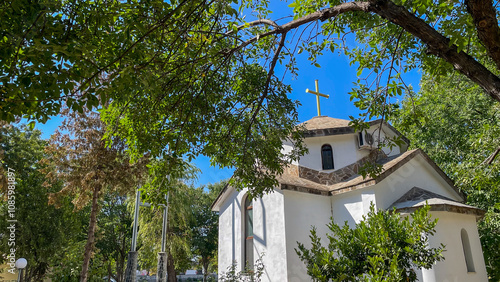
column 317, row 95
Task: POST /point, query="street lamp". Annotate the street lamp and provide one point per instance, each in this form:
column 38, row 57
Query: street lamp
column 21, row 264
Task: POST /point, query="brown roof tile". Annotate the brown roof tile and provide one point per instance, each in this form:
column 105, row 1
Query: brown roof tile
column 324, row 122
column 389, row 165
column 418, row 197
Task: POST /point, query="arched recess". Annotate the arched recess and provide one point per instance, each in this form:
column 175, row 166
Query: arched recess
column 247, row 232
column 327, row 157
column 467, row 251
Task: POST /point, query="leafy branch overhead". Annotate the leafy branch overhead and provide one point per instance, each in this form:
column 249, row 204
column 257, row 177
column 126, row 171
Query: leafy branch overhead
column 197, row 77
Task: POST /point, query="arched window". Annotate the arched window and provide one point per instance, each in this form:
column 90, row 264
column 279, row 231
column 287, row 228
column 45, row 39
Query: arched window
column 327, row 156
column 467, row 251
column 248, row 231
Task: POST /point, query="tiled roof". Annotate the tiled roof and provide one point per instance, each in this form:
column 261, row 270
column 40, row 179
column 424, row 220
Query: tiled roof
column 324, row 122
column 290, row 179
column 326, row 126
column 418, row 197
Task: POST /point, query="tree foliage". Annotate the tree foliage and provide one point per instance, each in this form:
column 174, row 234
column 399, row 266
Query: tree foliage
column 198, row 77
column 79, row 157
column 458, row 126
column 42, row 231
column 205, row 226
column 114, row 235
column 158, row 185
column 381, row 247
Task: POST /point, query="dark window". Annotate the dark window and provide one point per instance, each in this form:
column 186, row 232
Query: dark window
column 327, row 156
column 248, row 233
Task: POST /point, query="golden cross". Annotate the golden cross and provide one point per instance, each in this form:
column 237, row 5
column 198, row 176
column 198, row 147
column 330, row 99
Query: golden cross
column 317, row 95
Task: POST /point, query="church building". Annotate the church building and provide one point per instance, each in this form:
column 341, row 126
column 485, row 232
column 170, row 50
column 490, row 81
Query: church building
column 326, row 183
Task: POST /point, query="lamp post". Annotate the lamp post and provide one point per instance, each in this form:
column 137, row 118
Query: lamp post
column 130, row 271
column 162, row 256
column 21, row 264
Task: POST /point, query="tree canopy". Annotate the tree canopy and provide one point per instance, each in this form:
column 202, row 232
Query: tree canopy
column 198, row 77
column 458, row 127
column 42, row 231
column 78, row 156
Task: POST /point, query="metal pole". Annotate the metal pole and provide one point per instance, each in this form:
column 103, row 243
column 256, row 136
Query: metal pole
column 130, row 271
column 19, row 274
column 136, row 220
column 165, row 222
column 161, row 275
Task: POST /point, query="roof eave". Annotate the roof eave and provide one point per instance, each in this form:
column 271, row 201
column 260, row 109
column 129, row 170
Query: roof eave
column 479, row 213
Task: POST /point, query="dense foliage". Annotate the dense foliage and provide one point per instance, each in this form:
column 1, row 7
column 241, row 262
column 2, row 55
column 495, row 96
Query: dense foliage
column 40, row 228
column 192, row 228
column 381, row 247
column 78, row 156
column 205, row 227
column 458, row 126
column 199, row 77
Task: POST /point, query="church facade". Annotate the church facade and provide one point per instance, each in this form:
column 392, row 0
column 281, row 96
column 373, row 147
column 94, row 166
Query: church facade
column 325, row 183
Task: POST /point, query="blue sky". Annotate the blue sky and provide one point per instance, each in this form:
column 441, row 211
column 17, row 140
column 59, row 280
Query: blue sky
column 335, row 78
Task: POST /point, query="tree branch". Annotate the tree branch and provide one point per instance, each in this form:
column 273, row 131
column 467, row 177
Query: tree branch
column 319, row 15
column 484, row 16
column 437, row 43
column 492, row 157
column 155, row 27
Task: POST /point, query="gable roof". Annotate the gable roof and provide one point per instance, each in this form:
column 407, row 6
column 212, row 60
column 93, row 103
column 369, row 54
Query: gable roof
column 417, row 197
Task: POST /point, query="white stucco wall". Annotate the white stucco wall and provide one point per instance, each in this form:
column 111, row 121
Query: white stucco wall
column 287, row 149
column 417, row 172
column 345, row 149
column 229, row 249
column 302, row 211
column 268, row 229
column 352, row 206
column 269, row 235
column 453, row 268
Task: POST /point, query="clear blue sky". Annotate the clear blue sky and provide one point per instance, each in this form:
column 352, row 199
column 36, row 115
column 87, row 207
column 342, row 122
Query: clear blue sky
column 335, row 78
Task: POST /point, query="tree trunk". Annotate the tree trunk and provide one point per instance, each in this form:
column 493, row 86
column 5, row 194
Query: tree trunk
column 205, row 269
column 109, row 271
column 119, row 266
column 171, row 269
column 91, row 235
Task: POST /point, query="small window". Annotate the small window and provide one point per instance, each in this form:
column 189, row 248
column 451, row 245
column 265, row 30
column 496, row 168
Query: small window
column 248, row 233
column 467, row 251
column 327, row 157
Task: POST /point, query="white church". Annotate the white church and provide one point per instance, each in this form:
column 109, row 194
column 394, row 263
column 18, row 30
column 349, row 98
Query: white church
column 325, row 183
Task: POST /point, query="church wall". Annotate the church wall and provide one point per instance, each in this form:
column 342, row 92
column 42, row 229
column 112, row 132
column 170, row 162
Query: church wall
column 345, row 151
column 417, row 172
column 230, row 232
column 303, row 210
column 453, row 268
column 269, row 235
column 287, row 148
column 352, row 206
column 374, row 130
